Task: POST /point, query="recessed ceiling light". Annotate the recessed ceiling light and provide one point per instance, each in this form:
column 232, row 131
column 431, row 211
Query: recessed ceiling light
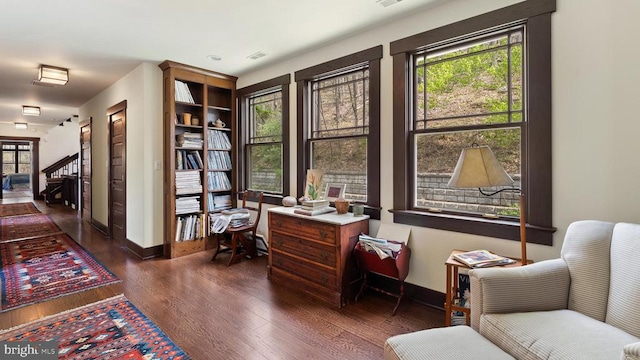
column 20, row 126
column 214, row 57
column 30, row 110
column 386, row 3
column 256, row 55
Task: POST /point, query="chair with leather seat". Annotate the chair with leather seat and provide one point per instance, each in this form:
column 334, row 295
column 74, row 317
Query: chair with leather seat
column 241, row 240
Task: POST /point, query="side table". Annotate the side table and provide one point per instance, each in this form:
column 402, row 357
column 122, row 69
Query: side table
column 452, row 286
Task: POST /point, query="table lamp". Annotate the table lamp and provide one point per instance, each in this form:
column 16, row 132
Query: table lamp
column 478, row 167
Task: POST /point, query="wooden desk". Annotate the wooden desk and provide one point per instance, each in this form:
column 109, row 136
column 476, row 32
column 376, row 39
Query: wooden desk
column 452, row 286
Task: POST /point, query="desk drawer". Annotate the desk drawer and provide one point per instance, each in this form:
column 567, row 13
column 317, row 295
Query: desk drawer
column 320, row 253
column 311, row 272
column 304, row 228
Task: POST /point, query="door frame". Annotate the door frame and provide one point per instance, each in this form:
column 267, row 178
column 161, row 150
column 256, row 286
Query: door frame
column 35, row 163
column 121, row 106
column 87, row 122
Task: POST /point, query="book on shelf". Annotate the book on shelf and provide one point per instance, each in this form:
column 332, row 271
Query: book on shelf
column 318, row 211
column 218, row 140
column 190, row 227
column 482, row 258
column 183, row 94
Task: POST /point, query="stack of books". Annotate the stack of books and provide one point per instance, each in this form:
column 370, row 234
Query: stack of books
column 314, row 207
column 188, row 182
column 193, row 140
column 187, row 205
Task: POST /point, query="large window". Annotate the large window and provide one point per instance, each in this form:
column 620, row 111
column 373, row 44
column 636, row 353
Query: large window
column 338, row 125
column 264, row 114
column 16, row 158
column 483, row 81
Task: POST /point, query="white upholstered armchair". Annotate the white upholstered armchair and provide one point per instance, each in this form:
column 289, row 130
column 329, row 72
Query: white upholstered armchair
column 584, row 305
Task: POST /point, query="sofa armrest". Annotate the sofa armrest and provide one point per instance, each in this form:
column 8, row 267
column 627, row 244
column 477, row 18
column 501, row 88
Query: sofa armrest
column 631, row 351
column 540, row 286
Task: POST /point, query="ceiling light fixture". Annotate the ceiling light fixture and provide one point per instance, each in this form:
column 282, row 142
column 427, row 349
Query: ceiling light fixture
column 20, row 126
column 53, row 75
column 61, row 124
column 386, row 3
column 214, row 57
column 68, row 120
column 30, row 110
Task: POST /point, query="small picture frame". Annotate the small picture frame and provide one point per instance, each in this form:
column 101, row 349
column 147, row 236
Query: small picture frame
column 334, row 191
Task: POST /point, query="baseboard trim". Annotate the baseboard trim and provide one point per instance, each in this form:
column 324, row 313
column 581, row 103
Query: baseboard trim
column 144, row 253
column 419, row 294
column 100, row 226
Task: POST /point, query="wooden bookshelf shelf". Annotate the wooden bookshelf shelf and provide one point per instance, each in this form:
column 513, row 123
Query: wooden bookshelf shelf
column 192, row 93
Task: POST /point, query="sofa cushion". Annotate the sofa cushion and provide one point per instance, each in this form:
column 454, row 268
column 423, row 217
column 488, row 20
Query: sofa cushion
column 586, row 251
column 559, row 334
column 624, row 292
column 455, row 343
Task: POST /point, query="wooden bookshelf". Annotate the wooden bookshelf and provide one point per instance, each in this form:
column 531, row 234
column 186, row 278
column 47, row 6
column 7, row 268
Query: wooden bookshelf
column 197, row 171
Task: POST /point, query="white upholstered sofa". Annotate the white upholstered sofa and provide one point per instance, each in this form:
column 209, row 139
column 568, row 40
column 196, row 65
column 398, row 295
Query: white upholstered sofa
column 584, row 305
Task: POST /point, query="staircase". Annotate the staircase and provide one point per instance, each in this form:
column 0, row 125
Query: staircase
column 62, row 182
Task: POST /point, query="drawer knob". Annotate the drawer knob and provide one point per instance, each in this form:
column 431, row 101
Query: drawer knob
column 323, row 234
column 324, row 255
column 279, row 223
column 324, row 278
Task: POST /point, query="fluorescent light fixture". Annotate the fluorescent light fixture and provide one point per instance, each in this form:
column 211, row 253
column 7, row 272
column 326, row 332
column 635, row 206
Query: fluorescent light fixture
column 20, row 126
column 30, row 110
column 53, row 75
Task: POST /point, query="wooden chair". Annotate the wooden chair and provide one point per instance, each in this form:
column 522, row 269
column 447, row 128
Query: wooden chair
column 243, row 238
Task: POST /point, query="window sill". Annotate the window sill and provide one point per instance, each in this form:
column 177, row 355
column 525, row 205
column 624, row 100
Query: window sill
column 497, row 228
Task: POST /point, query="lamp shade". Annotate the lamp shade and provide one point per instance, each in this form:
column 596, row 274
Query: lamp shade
column 478, row 167
column 53, row 75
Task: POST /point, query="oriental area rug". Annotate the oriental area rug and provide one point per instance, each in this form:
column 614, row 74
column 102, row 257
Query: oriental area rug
column 27, row 226
column 39, row 269
column 108, row 329
column 18, row 209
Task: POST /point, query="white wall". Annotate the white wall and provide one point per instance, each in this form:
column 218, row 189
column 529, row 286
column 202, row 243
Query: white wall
column 56, row 142
column 595, row 124
column 142, row 88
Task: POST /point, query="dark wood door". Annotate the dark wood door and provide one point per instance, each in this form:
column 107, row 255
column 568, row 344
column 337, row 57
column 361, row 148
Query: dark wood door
column 117, row 173
column 85, row 169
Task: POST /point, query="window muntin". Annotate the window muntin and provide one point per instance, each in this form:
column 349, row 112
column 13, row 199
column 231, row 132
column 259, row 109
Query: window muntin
column 264, row 145
column 467, row 93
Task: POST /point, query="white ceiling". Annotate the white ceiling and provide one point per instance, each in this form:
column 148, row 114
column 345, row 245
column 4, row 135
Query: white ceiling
column 99, row 41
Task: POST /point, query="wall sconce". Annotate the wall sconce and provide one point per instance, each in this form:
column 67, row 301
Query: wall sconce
column 53, row 75
column 30, row 110
column 20, row 126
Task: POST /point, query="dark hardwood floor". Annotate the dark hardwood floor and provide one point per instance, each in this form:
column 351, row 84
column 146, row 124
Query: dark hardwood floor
column 217, row 312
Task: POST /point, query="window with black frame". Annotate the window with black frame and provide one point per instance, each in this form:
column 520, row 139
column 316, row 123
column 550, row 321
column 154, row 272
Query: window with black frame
column 481, row 81
column 339, row 126
column 468, row 93
column 264, row 114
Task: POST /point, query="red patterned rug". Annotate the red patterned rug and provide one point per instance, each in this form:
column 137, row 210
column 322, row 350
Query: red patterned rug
column 27, row 226
column 39, row 269
column 18, row 209
column 109, row 329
